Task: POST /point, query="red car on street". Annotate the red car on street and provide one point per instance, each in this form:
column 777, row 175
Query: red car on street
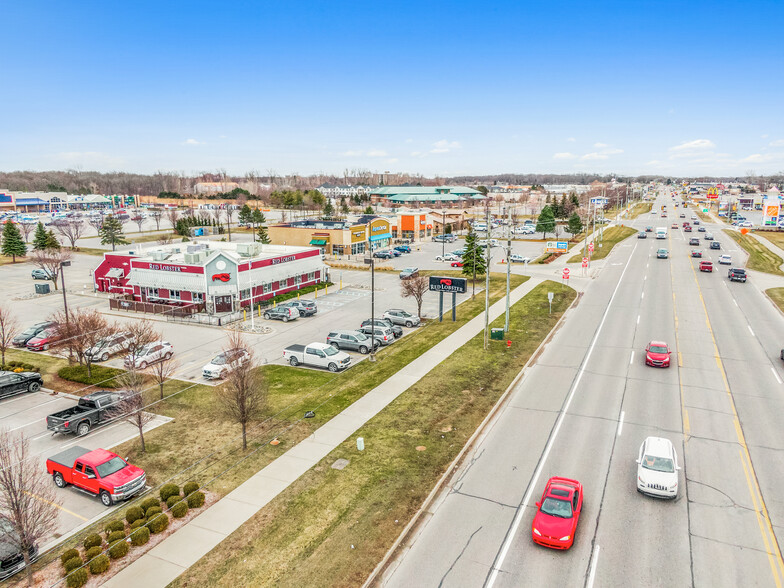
column 706, row 266
column 657, row 354
column 558, row 513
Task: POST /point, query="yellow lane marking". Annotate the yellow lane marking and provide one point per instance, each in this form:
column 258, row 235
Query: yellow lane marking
column 78, row 516
column 684, row 412
column 766, row 528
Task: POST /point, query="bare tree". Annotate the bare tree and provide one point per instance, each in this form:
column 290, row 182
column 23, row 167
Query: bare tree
column 156, row 214
column 162, row 371
column 228, row 211
column 84, row 330
column 28, row 503
column 140, row 333
column 242, row 398
column 172, row 215
column 415, row 288
column 132, row 403
column 164, row 239
column 49, row 260
column 139, row 220
column 26, row 229
column 71, row 229
column 96, row 222
column 9, row 327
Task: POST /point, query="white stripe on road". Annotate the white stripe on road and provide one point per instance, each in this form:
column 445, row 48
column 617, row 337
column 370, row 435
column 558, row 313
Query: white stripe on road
column 559, row 421
column 592, row 574
column 638, row 322
column 38, row 421
column 750, row 331
column 620, row 423
column 631, row 358
column 778, row 379
column 642, row 296
column 734, row 302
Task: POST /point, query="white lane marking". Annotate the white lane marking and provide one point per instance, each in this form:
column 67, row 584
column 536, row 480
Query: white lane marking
column 559, row 421
column 642, row 295
column 631, row 358
column 620, row 423
column 778, row 379
column 750, row 331
column 592, row 574
column 38, row 421
column 643, row 279
column 638, row 322
column 734, row 302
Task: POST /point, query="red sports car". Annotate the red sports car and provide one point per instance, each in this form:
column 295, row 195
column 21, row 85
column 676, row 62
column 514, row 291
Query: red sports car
column 657, row 354
column 457, row 264
column 558, row 513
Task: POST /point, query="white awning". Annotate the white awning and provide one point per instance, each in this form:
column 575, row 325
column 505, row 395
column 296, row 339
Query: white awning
column 281, row 271
column 115, row 272
column 169, row 280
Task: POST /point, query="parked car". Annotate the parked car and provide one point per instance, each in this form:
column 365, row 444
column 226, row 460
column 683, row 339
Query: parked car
column 694, row 241
column 352, row 340
column 22, row 338
column 109, row 346
column 447, row 257
column 397, row 331
column 657, row 354
column 305, row 307
column 383, row 255
column 409, row 272
column 398, row 316
column 724, row 259
column 282, row 313
column 517, row 258
column 657, row 468
column 449, row 238
column 403, row 248
column 12, row 383
column 222, row 364
column 41, row 274
column 557, row 513
column 457, row 264
column 91, row 410
column 43, row 340
column 11, row 559
column 662, row 254
column 382, row 334
column 706, row 266
column 99, row 472
column 737, row 275
column 746, row 224
column 395, row 253
column 149, row 354
column 318, row 355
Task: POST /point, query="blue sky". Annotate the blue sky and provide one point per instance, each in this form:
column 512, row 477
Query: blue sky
column 687, row 88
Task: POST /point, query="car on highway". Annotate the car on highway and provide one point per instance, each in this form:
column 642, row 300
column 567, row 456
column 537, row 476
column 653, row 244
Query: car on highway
column 725, row 259
column 41, row 274
column 11, row 558
column 43, row 340
column 696, row 253
column 398, row 316
column 224, row 363
column 687, row 229
column 649, row 229
column 448, row 257
column 305, row 307
column 694, row 241
column 409, row 272
column 662, row 254
column 696, row 222
column 12, row 383
column 737, row 275
column 681, row 215
column 674, row 225
column 397, row 330
column 517, row 258
column 457, row 264
column 149, row 354
column 708, row 236
column 657, row 354
column 22, row 338
column 383, row 255
column 282, row 313
column 558, row 513
column 706, row 266
column 108, row 346
column 715, row 245
column 642, row 235
column 702, row 229
column 352, row 340
column 657, row 468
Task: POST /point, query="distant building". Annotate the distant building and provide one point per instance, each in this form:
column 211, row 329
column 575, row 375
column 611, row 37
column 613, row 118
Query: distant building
column 214, row 187
column 337, row 191
column 50, row 201
column 339, row 237
column 425, row 196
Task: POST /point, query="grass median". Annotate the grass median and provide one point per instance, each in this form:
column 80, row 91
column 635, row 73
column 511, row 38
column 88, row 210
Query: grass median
column 761, row 258
column 777, row 296
column 331, row 527
column 610, row 239
column 640, row 208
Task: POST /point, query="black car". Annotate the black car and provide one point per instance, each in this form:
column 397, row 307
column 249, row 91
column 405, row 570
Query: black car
column 11, row 559
column 12, row 383
column 305, row 307
column 382, row 322
column 737, row 275
column 715, row 245
column 22, row 338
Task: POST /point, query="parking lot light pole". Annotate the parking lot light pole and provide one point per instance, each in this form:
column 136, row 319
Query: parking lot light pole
column 443, row 232
column 369, row 260
column 62, row 281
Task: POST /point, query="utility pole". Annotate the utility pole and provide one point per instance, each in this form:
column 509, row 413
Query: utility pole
column 487, row 279
column 443, row 232
column 508, row 265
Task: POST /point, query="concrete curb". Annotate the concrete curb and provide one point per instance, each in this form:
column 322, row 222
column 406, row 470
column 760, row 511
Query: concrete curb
column 454, row 467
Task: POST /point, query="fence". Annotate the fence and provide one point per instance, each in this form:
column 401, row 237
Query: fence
column 130, row 305
column 206, row 319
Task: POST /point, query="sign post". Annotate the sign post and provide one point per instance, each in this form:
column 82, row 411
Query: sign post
column 566, row 273
column 550, row 300
column 443, row 284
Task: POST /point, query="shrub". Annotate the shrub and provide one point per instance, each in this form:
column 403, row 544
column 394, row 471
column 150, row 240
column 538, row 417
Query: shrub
column 168, row 490
column 158, row 523
column 196, row 500
column 92, row 552
column 148, row 502
column 101, row 375
column 140, row 536
column 92, row 541
column 77, row 579
column 173, row 500
column 116, row 536
column 69, row 554
column 72, row 564
column 114, row 526
column 119, row 549
column 152, row 511
column 99, row 565
column 138, row 523
column 179, row 510
column 190, row 488
column 134, row 513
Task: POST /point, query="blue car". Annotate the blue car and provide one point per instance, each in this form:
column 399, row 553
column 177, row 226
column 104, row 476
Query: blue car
column 403, row 248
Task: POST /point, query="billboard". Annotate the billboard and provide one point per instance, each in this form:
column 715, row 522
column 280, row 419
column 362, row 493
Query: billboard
column 713, row 193
column 770, row 211
column 556, row 247
column 448, row 284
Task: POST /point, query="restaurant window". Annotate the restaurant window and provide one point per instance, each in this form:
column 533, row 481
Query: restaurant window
column 266, row 288
column 152, row 292
column 175, row 295
column 197, row 296
column 244, row 294
column 311, row 276
column 297, row 279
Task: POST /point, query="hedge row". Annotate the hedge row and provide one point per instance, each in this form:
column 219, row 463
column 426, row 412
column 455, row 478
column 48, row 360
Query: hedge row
column 19, row 366
column 100, row 375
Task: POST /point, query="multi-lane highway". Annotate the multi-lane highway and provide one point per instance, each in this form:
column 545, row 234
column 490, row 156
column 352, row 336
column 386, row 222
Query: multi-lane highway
column 583, row 410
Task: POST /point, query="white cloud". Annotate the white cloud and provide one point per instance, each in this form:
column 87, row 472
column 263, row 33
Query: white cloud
column 377, row 153
column 564, row 155
column 765, row 136
column 444, row 146
column 409, row 140
column 571, row 139
column 776, row 143
column 653, row 162
column 763, row 158
column 192, row 142
column 351, row 154
column 696, row 145
column 600, row 145
column 593, row 156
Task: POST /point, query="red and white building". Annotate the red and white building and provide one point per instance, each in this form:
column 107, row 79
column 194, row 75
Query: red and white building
column 224, row 276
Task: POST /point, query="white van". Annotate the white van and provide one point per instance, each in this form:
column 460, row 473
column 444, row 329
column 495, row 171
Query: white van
column 661, row 232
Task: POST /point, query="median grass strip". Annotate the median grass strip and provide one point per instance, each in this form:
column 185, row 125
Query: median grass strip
column 610, row 239
column 777, row 296
column 775, row 237
column 640, row 208
column 331, row 527
column 761, row 258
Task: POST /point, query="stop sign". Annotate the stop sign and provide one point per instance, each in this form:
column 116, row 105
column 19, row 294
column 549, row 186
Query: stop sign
column 590, row 246
column 585, row 262
column 566, row 273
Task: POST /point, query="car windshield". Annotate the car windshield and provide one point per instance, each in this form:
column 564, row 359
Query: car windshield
column 329, row 350
column 658, row 464
column 360, row 336
column 557, row 507
column 657, row 349
column 219, row 360
column 30, row 332
column 110, row 467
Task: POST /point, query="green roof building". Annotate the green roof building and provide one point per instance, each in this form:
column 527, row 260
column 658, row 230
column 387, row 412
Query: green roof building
column 429, row 196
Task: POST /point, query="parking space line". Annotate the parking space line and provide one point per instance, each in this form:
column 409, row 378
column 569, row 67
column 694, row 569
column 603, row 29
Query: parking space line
column 631, row 357
column 620, row 423
column 32, row 423
column 775, row 374
column 750, row 331
column 70, row 512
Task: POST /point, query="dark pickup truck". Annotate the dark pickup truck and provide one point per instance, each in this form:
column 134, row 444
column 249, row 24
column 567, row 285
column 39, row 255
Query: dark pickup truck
column 91, row 410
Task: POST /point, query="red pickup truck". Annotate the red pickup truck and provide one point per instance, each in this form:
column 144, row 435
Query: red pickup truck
column 98, row 472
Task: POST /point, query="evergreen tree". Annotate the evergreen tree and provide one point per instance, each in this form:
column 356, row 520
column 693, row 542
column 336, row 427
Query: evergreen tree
column 111, row 232
column 474, row 262
column 51, row 241
column 546, row 221
column 245, row 215
column 575, row 225
column 13, row 244
column 448, row 229
column 257, row 219
column 39, row 239
column 344, row 209
column 575, row 200
column 263, row 236
column 329, row 210
column 369, row 210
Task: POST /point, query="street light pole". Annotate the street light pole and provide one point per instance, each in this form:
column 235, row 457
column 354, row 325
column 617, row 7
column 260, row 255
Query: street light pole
column 443, row 232
column 371, row 261
column 508, row 265
column 487, row 278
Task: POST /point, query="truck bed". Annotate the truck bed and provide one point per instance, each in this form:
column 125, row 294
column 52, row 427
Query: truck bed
column 70, row 412
column 69, row 456
column 295, row 348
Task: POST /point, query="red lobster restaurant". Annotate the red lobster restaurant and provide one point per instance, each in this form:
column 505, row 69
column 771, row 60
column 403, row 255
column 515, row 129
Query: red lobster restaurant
column 224, row 276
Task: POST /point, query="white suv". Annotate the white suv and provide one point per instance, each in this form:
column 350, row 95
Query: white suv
column 222, row 364
column 150, row 353
column 109, row 346
column 657, row 468
column 401, row 317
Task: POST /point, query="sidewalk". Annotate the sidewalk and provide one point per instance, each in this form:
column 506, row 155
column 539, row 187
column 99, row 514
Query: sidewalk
column 167, row 560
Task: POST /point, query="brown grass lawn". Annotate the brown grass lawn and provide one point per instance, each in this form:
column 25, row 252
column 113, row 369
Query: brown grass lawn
column 777, row 296
column 760, row 257
column 611, row 238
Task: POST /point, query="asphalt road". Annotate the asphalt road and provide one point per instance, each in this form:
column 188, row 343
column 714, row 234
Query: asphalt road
column 582, row 412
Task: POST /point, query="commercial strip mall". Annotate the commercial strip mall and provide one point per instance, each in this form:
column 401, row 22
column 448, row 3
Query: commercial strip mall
column 223, row 276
